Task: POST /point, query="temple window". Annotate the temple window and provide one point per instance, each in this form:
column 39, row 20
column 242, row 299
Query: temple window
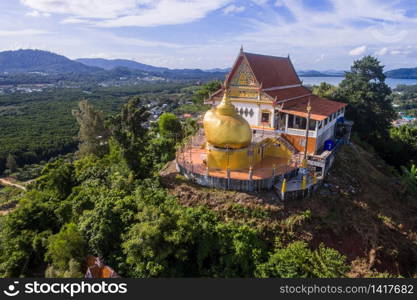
column 265, row 117
column 241, row 111
column 290, row 121
column 312, row 124
column 320, row 124
column 251, row 113
column 246, row 112
column 300, row 123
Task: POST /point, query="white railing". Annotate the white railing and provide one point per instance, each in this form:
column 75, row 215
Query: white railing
column 300, row 132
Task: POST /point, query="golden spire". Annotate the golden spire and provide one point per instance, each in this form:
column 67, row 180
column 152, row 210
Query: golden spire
column 226, row 107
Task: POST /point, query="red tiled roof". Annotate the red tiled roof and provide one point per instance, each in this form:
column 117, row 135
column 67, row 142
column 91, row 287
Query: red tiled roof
column 321, row 108
column 272, row 71
column 288, row 93
column 96, row 269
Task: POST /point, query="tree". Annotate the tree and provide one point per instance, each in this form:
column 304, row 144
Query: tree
column 325, row 90
column 297, row 260
column 68, row 244
column 73, row 271
column 401, row 150
column 205, row 90
column 129, row 131
column 11, row 163
column 92, row 134
column 171, row 240
column 366, row 92
column 189, row 127
column 170, row 126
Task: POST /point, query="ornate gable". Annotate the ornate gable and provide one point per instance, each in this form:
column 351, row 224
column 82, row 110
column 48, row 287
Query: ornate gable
column 243, row 76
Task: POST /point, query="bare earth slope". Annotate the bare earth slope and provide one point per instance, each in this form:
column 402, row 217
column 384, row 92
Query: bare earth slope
column 362, row 211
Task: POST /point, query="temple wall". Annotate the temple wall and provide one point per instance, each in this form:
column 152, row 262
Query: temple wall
column 298, row 143
column 253, row 119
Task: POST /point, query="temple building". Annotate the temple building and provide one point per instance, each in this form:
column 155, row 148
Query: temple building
column 268, row 93
column 263, row 127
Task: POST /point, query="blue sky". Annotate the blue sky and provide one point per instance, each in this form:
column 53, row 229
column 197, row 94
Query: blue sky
column 318, row 34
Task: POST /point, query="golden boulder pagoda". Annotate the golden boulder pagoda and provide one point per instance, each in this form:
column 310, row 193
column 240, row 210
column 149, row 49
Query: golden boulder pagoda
column 229, row 140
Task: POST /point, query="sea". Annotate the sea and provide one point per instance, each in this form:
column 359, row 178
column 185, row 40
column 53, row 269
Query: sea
column 391, row 82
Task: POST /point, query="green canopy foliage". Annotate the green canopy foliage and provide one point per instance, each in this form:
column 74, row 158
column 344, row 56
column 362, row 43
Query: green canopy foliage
column 366, row 92
column 68, row 244
column 170, row 126
column 205, row 90
column 297, row 260
column 93, row 134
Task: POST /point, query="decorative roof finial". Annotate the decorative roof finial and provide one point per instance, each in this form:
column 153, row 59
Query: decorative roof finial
column 241, row 48
column 225, row 84
column 288, row 55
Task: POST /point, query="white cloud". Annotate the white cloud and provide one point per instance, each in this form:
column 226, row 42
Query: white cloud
column 358, row 51
column 23, row 32
column 319, row 59
column 36, row 13
column 401, row 51
column 84, row 8
column 110, row 13
column 304, row 34
column 167, row 13
column 233, row 9
column 74, row 21
column 382, row 51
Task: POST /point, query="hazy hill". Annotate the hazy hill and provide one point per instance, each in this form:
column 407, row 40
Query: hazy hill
column 24, row 61
column 314, row 73
column 403, row 73
column 109, row 64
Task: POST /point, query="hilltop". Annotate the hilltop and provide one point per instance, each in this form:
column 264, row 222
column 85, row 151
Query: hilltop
column 28, row 60
column 403, row 73
column 109, row 64
column 43, row 67
column 361, row 211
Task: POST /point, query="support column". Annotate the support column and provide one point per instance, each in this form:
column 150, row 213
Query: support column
column 228, row 178
column 286, row 123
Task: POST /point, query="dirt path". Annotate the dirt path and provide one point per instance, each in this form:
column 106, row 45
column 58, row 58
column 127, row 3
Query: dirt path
column 9, row 182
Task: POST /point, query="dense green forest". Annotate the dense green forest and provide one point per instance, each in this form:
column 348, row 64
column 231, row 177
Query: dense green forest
column 39, row 125
column 109, row 202
column 109, row 199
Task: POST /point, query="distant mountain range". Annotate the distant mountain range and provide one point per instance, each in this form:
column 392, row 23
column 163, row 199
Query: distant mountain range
column 109, row 64
column 314, row 73
column 48, row 63
column 403, row 73
column 25, row 61
column 37, row 66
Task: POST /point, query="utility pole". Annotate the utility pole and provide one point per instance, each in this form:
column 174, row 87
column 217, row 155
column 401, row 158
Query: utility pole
column 307, row 130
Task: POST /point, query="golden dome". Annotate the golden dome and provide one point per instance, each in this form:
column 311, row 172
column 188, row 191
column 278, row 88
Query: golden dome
column 225, row 128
